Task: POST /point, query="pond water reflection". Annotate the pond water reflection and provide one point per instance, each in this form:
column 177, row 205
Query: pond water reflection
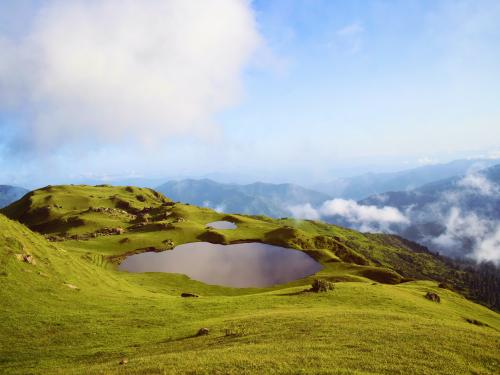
column 239, row 265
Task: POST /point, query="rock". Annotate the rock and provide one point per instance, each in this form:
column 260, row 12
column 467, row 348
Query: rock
column 124, row 361
column 189, row 295
column 433, row 297
column 202, row 332
column 28, row 258
column 169, row 244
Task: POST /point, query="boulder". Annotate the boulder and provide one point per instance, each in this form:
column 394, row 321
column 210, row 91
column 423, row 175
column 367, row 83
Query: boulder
column 169, row 244
column 189, row 295
column 28, row 258
column 123, row 361
column 433, row 297
column 202, row 332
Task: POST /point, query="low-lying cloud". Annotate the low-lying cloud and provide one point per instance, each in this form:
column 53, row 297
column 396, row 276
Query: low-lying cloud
column 479, row 184
column 468, row 217
column 124, row 70
column 460, row 220
column 363, row 217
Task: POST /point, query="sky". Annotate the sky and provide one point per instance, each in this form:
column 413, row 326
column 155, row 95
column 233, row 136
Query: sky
column 280, row 91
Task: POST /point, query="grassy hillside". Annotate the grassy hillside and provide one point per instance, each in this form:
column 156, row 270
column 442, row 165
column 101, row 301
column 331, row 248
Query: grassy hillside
column 66, row 309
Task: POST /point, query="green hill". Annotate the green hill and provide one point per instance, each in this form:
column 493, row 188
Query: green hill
column 66, row 308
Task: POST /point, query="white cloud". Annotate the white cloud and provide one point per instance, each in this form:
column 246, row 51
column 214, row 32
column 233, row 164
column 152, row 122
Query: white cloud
column 358, row 213
column 460, row 227
column 427, row 161
column 479, row 183
column 364, row 217
column 480, row 235
column 220, row 208
column 489, row 248
column 304, row 211
column 126, row 69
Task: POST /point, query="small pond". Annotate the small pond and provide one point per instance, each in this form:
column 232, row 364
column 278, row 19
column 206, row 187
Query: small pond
column 222, row 225
column 239, row 265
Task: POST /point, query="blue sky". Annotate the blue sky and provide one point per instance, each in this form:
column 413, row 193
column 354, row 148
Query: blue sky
column 276, row 90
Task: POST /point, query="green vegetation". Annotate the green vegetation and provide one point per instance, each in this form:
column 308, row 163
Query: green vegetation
column 66, row 309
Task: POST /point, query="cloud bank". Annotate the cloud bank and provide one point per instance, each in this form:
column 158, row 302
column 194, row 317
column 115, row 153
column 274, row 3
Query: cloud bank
column 125, row 70
column 460, row 220
column 470, row 221
column 362, row 217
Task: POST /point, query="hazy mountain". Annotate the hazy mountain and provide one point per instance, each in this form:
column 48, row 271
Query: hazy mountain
column 458, row 215
column 363, row 186
column 9, row 194
column 257, row 198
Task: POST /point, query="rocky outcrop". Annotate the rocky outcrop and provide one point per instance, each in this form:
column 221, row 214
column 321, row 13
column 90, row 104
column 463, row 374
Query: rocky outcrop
column 433, row 297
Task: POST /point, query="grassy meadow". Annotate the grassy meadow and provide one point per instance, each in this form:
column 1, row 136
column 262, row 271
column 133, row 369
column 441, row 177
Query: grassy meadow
column 70, row 311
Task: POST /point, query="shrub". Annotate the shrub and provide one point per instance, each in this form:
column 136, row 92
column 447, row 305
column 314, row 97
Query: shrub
column 319, row 285
column 124, row 205
column 445, row 285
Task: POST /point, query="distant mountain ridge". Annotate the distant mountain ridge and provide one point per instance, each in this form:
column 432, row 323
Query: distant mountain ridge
column 253, row 199
column 9, row 194
column 456, row 214
column 363, row 186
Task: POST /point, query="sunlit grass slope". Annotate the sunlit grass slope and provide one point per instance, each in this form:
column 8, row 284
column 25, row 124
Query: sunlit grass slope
column 146, row 219
column 73, row 312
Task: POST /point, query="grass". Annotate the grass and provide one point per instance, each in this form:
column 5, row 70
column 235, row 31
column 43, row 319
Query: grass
column 359, row 327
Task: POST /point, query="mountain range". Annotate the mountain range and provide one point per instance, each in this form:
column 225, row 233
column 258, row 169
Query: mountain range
column 252, row 199
column 9, row 194
column 457, row 215
column 362, row 186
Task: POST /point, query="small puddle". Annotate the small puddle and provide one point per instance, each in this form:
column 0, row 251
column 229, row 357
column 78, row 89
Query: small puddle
column 221, row 225
column 239, row 265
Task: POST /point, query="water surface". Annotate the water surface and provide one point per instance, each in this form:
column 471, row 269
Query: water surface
column 239, row 265
column 222, row 225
